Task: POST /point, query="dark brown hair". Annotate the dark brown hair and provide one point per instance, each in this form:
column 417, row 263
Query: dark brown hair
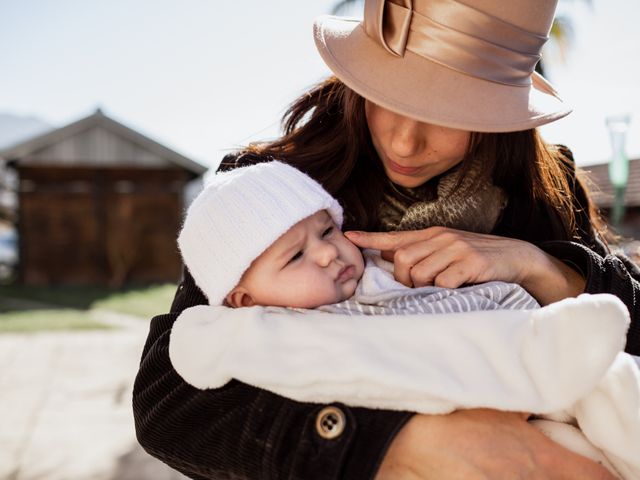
column 326, row 136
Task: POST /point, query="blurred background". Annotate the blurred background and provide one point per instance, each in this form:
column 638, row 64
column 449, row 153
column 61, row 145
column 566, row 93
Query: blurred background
column 112, row 114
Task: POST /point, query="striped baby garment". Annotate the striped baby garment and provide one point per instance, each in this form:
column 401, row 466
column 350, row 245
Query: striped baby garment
column 378, row 293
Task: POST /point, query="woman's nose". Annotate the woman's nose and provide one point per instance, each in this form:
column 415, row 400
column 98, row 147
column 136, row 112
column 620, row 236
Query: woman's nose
column 407, row 137
column 324, row 253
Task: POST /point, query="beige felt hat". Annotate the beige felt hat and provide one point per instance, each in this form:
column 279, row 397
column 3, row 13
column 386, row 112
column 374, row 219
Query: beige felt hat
column 466, row 65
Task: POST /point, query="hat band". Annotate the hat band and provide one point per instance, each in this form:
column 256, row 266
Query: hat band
column 456, row 36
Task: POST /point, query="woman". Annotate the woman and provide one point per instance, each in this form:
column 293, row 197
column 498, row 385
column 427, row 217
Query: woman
column 427, row 136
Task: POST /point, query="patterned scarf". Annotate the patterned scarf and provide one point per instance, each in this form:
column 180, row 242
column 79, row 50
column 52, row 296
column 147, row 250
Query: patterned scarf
column 475, row 206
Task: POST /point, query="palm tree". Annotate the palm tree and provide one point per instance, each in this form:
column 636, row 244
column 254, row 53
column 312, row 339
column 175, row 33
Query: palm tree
column 562, row 34
column 345, row 6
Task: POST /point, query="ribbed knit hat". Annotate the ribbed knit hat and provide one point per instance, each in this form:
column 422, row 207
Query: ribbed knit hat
column 239, row 215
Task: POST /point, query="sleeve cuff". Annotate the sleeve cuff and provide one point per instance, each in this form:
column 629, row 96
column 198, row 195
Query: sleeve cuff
column 578, row 257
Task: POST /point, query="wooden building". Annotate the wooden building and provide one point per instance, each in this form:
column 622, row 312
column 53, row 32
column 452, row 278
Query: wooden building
column 603, row 195
column 99, row 203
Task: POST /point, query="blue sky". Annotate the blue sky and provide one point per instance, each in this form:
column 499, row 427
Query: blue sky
column 203, row 76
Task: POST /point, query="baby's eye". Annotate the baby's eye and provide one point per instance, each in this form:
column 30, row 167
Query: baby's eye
column 327, row 232
column 295, row 257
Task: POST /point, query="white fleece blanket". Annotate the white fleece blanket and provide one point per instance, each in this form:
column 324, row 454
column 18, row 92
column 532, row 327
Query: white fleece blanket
column 562, row 359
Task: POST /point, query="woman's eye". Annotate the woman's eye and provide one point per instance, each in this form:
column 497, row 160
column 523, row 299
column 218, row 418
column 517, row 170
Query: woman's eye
column 327, row 232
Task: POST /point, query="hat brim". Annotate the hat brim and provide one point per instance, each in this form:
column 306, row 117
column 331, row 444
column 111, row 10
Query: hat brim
column 427, row 91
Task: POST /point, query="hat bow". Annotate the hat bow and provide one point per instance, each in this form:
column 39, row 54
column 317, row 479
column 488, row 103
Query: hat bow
column 457, row 36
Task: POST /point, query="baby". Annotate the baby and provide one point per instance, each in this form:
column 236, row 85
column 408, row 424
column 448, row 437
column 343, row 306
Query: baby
column 269, row 236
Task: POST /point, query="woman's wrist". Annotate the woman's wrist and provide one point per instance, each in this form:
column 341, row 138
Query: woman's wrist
column 480, row 443
column 549, row 280
column 407, row 450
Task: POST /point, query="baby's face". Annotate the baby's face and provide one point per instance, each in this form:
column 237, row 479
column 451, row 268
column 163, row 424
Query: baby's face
column 312, row 264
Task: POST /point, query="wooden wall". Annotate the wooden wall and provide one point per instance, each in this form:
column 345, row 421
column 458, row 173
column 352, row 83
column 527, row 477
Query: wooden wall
column 99, row 226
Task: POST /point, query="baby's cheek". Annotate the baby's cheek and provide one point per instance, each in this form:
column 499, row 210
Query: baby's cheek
column 349, row 288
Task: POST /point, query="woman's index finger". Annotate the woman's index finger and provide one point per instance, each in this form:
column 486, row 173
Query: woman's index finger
column 386, row 240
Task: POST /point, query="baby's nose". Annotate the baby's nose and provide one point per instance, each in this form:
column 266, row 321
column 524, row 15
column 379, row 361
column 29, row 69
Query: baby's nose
column 326, row 252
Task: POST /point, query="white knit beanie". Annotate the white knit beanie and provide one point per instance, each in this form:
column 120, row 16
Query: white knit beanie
column 239, row 215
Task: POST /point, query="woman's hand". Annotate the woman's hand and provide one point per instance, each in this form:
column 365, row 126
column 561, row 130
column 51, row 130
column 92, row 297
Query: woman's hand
column 450, row 258
column 480, row 444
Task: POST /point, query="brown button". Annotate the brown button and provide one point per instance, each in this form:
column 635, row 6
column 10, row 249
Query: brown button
column 330, row 422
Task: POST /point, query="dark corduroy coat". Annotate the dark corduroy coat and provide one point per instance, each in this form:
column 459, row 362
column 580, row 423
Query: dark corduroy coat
column 242, row 432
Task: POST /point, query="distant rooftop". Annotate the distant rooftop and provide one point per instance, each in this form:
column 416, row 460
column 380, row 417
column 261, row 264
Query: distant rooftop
column 602, row 190
column 97, row 140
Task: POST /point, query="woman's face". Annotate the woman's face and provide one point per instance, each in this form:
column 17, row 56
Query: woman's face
column 413, row 152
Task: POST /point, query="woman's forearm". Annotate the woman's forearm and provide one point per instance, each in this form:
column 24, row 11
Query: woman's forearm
column 550, row 280
column 481, row 443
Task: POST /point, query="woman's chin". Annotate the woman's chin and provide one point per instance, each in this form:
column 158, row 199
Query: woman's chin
column 406, row 181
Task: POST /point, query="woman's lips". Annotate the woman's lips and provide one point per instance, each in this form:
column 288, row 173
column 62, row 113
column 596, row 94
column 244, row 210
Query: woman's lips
column 346, row 273
column 400, row 169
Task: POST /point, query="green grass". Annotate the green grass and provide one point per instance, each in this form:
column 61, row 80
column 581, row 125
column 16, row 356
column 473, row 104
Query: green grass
column 81, row 297
column 29, row 309
column 143, row 302
column 31, row 321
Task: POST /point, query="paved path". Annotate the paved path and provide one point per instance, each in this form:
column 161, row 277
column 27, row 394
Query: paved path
column 65, row 406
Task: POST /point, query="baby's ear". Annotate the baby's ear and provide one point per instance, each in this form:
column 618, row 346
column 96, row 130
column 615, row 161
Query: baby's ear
column 240, row 297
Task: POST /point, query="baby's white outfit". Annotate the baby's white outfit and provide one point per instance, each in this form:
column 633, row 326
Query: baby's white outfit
column 561, row 362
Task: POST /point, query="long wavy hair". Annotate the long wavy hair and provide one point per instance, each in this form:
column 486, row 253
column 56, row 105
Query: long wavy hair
column 326, row 136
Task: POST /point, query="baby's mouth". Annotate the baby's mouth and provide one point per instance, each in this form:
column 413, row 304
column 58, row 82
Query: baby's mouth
column 346, row 273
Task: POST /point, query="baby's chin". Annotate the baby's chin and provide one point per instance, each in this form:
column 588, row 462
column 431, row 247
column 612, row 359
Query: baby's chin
column 347, row 291
column 342, row 293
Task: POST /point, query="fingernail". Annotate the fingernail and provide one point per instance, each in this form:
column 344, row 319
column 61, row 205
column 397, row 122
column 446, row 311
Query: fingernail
column 353, row 233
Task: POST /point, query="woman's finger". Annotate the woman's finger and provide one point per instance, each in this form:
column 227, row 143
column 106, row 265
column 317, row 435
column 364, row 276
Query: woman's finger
column 447, row 259
column 390, row 240
column 423, row 268
column 407, row 258
column 419, row 258
column 455, row 275
column 428, row 271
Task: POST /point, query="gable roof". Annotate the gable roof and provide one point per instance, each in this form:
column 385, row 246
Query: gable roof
column 98, row 119
column 601, row 189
